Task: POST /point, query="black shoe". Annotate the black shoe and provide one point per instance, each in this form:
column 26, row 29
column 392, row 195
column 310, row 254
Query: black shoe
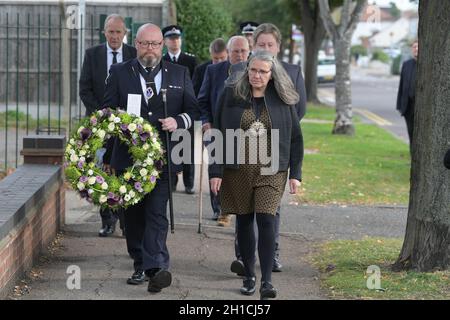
column 160, row 280
column 106, row 231
column 237, row 266
column 138, row 277
column 248, row 286
column 267, row 291
column 215, row 216
column 277, row 266
column 189, row 190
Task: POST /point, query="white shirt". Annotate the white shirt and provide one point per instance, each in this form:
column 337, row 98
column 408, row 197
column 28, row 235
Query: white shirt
column 110, row 56
column 177, row 56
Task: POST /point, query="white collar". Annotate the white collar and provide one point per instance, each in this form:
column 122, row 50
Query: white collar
column 109, row 49
column 177, row 55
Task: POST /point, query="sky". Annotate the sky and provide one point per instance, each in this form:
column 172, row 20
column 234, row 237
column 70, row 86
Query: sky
column 401, row 4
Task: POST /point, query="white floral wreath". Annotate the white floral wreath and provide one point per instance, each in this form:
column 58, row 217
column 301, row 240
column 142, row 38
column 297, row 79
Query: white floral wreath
column 96, row 185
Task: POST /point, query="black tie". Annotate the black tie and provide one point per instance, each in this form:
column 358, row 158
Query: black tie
column 174, row 59
column 115, row 57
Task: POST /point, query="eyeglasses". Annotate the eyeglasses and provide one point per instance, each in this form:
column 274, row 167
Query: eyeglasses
column 146, row 44
column 253, row 72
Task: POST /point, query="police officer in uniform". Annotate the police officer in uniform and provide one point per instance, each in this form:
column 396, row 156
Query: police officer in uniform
column 247, row 29
column 172, row 40
column 146, row 223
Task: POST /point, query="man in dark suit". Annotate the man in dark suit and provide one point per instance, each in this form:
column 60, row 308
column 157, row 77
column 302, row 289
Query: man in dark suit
column 172, row 40
column 268, row 37
column 146, row 223
column 96, row 64
column 218, row 53
column 407, row 90
column 212, row 86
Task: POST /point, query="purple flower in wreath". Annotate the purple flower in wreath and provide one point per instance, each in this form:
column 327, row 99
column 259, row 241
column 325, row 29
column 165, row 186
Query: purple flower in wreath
column 144, row 136
column 93, row 121
column 80, row 164
column 84, row 179
column 79, row 143
column 99, row 179
column 112, row 199
column 134, row 142
column 85, row 134
column 159, row 164
column 124, row 127
column 139, row 128
column 152, row 179
column 138, row 186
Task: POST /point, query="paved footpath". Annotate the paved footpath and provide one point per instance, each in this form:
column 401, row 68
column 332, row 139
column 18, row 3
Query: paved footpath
column 199, row 262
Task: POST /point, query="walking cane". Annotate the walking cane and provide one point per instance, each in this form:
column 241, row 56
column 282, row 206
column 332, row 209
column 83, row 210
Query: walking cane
column 172, row 227
column 200, row 207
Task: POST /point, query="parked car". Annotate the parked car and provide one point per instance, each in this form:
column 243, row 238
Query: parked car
column 326, row 69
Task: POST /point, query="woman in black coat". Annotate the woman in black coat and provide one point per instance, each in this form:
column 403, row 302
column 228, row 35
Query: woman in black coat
column 259, row 110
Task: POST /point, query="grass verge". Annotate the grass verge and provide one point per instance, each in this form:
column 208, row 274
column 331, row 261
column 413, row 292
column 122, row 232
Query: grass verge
column 370, row 168
column 343, row 265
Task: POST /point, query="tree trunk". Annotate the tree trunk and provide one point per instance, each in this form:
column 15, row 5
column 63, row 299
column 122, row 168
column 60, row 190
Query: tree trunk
column 314, row 33
column 343, row 123
column 427, row 240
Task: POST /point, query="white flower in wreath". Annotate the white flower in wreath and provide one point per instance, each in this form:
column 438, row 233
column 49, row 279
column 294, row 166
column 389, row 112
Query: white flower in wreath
column 145, row 146
column 123, row 189
column 104, row 186
column 102, row 199
column 132, row 194
column 82, row 153
column 90, row 191
column 90, row 172
column 116, row 120
column 143, row 172
column 74, row 157
column 150, row 161
column 111, row 126
column 80, row 129
column 147, row 127
column 127, row 198
column 91, row 180
column 94, row 130
column 157, row 145
column 100, row 113
column 132, row 127
column 154, row 173
column 140, row 120
column 80, row 186
column 83, row 159
column 111, row 118
column 101, row 134
column 72, row 141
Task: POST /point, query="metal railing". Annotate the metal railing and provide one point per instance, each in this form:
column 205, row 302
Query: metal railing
column 39, row 73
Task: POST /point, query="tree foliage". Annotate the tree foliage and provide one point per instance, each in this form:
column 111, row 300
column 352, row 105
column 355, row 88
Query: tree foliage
column 202, row 22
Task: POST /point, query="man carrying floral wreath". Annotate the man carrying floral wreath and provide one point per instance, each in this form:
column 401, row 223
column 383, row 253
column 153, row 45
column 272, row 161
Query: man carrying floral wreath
column 146, row 222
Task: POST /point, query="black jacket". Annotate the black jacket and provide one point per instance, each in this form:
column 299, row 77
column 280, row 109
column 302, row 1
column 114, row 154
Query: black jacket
column 282, row 117
column 407, row 88
column 185, row 59
column 94, row 73
column 199, row 75
column 182, row 105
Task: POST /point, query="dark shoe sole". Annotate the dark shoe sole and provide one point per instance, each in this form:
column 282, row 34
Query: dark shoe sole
column 162, row 279
column 238, row 268
column 247, row 292
column 135, row 282
column 277, row 270
column 268, row 294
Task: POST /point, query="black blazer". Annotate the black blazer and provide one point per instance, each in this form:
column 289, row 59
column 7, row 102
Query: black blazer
column 94, row 73
column 295, row 73
column 283, row 117
column 199, row 75
column 185, row 59
column 211, row 89
column 407, row 88
column 124, row 79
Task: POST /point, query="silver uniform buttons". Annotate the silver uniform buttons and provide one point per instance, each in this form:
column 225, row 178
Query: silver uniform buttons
column 150, row 113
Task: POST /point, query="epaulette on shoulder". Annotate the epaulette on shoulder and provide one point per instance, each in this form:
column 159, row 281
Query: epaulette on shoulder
column 190, row 54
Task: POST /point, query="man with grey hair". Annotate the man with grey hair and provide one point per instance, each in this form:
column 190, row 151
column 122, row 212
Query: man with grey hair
column 146, row 222
column 212, row 86
column 268, row 37
column 96, row 64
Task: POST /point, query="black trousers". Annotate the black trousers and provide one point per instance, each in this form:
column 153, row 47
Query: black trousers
column 146, row 227
column 276, row 235
column 109, row 218
column 409, row 119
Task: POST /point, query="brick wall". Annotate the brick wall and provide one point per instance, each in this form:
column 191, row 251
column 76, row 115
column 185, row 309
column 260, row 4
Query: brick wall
column 32, row 208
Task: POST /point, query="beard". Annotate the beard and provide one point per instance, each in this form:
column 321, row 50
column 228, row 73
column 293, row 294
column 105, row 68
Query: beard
column 149, row 60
